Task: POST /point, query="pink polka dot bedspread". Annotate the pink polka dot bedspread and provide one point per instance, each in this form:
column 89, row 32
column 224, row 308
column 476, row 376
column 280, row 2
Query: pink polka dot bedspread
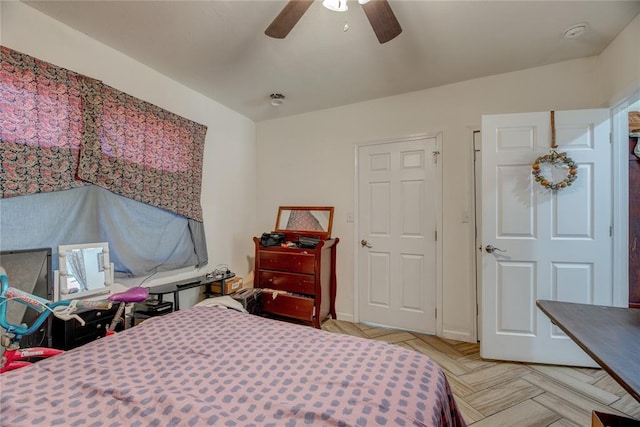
column 213, row 366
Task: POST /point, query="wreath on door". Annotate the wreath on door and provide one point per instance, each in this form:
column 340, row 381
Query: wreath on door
column 555, row 160
column 552, row 162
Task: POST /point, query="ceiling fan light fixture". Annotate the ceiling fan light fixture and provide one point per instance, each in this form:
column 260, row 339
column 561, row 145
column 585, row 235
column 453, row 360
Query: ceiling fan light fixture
column 336, row 5
column 383, row 21
column 277, row 99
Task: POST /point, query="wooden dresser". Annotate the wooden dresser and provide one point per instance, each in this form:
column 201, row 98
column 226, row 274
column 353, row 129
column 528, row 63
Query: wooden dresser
column 300, row 283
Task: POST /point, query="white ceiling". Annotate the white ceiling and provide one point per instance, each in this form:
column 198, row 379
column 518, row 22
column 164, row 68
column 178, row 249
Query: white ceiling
column 219, row 48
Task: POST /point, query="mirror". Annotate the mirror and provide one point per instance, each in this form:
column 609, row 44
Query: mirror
column 309, row 220
column 85, row 270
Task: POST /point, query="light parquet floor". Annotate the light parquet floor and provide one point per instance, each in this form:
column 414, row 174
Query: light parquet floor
column 493, row 393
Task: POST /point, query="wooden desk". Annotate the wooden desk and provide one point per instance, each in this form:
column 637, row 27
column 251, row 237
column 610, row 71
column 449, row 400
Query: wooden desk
column 610, row 335
column 181, row 285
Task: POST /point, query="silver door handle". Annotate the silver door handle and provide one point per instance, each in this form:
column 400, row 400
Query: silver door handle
column 491, row 249
column 364, row 243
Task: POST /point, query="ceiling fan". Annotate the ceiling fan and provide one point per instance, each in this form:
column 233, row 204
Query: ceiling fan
column 383, row 21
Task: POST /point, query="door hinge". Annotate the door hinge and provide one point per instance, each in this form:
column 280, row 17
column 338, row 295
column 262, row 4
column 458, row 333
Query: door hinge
column 436, row 310
column 611, row 231
column 435, row 157
column 610, row 138
column 436, row 235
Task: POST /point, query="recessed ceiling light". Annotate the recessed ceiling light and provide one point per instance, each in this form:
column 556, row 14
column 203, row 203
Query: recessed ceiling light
column 575, row 30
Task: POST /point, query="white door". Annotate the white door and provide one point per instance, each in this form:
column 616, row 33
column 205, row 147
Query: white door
column 557, row 243
column 398, row 201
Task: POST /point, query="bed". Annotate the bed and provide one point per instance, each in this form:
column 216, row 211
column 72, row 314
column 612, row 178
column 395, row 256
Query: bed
column 216, row 366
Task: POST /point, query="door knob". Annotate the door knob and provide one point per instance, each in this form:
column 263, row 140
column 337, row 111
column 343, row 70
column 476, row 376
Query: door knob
column 491, row 249
column 364, row 243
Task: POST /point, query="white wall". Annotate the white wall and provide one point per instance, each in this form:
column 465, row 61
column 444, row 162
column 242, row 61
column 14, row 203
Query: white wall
column 309, row 159
column 228, row 188
column 620, row 66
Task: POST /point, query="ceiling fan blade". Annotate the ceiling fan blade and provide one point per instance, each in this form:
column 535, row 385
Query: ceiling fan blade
column 382, row 19
column 287, row 18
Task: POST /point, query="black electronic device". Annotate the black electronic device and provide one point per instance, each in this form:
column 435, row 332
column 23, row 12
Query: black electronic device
column 221, row 271
column 308, row 242
column 153, row 307
column 272, row 239
column 30, row 270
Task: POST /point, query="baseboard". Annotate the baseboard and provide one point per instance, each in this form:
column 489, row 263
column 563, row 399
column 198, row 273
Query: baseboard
column 458, row 336
column 347, row 317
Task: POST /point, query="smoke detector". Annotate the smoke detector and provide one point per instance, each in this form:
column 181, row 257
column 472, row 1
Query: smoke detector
column 277, row 99
column 575, row 30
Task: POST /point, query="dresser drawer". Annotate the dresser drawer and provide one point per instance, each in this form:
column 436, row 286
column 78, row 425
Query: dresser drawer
column 293, row 262
column 91, row 330
column 288, row 305
column 292, row 282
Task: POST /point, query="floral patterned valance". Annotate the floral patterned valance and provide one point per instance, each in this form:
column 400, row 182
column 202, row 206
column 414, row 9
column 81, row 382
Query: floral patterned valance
column 40, row 125
column 142, row 151
column 62, row 130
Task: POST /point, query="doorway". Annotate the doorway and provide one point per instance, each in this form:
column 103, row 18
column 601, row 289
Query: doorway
column 551, row 242
column 633, row 114
column 399, row 189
